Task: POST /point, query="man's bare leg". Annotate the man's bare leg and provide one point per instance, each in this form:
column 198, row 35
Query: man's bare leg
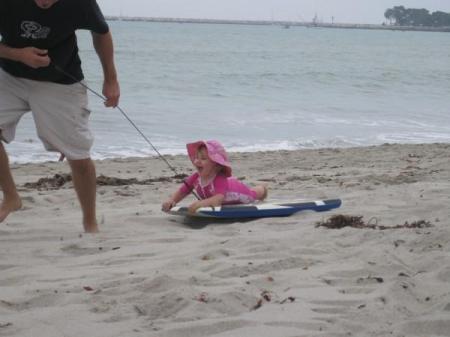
column 11, row 199
column 84, row 181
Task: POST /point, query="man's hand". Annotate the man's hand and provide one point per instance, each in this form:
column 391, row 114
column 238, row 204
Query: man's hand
column 33, row 57
column 111, row 91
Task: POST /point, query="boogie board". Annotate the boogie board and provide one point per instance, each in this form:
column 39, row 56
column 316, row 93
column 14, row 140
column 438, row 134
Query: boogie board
column 262, row 210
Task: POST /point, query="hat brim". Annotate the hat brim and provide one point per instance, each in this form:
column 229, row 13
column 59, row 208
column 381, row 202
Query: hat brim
column 192, row 151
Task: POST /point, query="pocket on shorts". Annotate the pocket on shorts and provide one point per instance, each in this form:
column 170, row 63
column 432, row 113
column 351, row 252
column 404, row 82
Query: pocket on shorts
column 62, row 118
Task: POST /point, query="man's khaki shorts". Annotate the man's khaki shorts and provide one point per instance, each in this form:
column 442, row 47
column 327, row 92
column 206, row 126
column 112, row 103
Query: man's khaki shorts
column 60, row 113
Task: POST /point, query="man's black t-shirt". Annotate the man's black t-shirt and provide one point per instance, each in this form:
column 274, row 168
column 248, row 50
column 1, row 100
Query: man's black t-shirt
column 24, row 24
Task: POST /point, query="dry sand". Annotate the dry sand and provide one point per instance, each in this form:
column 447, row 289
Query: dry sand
column 151, row 274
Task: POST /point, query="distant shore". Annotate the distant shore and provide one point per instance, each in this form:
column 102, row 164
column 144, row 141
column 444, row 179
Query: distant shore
column 284, row 24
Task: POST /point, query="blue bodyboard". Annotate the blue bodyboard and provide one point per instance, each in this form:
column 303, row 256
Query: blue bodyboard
column 262, row 210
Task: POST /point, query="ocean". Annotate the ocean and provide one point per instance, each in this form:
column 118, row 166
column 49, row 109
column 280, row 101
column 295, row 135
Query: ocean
column 258, row 88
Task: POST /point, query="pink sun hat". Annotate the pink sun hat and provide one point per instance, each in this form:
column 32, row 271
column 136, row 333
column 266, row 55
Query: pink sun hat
column 216, row 152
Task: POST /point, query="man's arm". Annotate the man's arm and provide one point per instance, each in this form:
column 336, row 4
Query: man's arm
column 103, row 45
column 31, row 56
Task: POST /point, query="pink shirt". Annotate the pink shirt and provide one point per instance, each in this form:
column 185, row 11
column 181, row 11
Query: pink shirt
column 235, row 191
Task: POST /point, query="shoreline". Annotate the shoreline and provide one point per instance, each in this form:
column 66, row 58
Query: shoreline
column 151, row 274
column 283, row 24
column 262, row 162
column 154, row 155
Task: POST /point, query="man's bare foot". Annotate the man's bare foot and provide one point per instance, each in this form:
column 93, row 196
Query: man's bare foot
column 91, row 228
column 9, row 206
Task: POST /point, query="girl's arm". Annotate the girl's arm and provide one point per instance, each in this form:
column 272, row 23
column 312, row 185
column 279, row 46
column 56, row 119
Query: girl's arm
column 215, row 200
column 173, row 200
column 181, row 193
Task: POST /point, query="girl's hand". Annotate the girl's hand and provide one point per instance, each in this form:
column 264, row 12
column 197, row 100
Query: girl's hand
column 194, row 207
column 213, row 201
column 167, row 205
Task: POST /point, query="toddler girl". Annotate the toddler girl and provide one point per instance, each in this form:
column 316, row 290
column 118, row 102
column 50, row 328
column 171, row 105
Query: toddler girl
column 213, row 182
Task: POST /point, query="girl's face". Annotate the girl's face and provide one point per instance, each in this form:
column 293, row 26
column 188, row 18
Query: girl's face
column 206, row 168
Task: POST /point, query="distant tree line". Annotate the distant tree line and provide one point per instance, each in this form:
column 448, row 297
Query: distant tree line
column 402, row 16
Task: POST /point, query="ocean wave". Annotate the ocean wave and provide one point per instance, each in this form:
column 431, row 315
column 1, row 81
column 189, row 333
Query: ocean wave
column 20, row 155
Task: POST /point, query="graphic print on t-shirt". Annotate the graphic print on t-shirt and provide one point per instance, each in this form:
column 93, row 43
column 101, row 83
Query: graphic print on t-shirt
column 33, row 30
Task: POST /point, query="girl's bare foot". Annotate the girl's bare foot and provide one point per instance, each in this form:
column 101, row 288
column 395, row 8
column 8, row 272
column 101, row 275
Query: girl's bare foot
column 261, row 192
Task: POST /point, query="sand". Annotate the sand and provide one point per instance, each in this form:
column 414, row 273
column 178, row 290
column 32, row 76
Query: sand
column 151, row 274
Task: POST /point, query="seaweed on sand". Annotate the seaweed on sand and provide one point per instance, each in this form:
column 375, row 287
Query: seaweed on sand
column 339, row 221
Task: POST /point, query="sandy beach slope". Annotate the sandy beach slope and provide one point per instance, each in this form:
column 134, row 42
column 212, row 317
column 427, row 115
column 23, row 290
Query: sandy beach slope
column 151, row 274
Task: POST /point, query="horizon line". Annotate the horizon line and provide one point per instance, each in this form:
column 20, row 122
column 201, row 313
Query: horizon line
column 285, row 23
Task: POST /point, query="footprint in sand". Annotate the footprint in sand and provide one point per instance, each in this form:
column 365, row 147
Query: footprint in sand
column 43, row 300
column 427, row 328
column 256, row 269
column 215, row 254
column 76, row 250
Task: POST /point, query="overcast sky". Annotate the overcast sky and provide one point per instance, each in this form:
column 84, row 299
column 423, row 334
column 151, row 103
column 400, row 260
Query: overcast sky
column 351, row 11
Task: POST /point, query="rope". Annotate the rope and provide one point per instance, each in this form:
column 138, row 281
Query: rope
column 58, row 68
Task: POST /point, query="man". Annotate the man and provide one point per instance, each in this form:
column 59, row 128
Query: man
column 39, row 68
